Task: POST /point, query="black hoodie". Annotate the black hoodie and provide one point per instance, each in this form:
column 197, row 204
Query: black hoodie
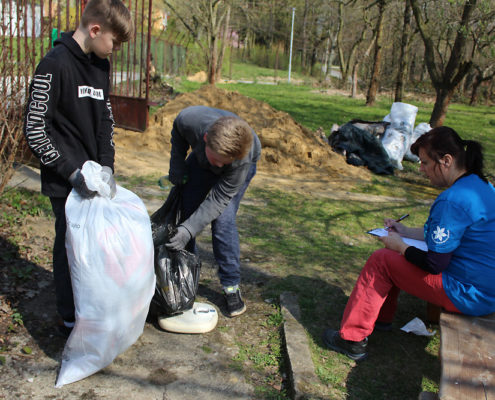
column 68, row 114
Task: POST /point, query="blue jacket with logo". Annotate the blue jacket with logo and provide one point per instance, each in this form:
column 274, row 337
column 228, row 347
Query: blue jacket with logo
column 462, row 221
column 68, row 116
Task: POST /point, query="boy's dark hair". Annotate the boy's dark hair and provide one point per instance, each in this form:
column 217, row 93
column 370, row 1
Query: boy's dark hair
column 112, row 15
column 443, row 140
column 230, row 137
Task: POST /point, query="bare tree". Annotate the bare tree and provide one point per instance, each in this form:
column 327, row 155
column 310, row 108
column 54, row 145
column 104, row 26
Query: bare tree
column 13, row 78
column 404, row 52
column 375, row 74
column 481, row 75
column 347, row 43
column 355, row 68
column 449, row 52
column 205, row 16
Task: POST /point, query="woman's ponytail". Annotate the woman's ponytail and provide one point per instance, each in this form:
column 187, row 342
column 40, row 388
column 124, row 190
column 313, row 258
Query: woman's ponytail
column 474, row 158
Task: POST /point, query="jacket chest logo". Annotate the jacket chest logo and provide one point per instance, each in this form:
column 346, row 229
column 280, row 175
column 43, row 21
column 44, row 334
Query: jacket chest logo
column 88, row 91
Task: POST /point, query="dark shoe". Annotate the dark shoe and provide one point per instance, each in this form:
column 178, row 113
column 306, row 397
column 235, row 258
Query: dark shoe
column 63, row 330
column 235, row 305
column 354, row 350
column 383, row 326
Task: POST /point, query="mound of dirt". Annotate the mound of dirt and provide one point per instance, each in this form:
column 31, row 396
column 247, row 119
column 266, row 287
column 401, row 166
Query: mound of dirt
column 288, row 147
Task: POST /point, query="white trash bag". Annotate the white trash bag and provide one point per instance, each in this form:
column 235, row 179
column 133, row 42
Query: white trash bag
column 397, row 138
column 395, row 144
column 110, row 252
column 420, row 129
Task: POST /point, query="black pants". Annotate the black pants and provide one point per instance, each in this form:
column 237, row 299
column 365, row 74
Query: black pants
column 61, row 272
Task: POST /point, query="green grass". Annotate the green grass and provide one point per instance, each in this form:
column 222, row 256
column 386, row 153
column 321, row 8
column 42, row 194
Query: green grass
column 251, row 72
column 24, row 202
column 315, row 248
column 314, row 109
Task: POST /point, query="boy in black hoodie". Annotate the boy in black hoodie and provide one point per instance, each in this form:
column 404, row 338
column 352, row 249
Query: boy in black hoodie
column 69, row 121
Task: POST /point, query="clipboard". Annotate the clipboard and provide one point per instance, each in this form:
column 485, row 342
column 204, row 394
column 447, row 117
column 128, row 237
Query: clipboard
column 380, row 232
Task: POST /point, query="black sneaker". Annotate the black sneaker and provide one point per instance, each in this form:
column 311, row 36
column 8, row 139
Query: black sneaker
column 235, row 305
column 354, row 350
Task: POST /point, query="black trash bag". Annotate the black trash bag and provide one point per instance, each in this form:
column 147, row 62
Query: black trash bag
column 361, row 148
column 168, row 214
column 177, row 272
column 177, row 279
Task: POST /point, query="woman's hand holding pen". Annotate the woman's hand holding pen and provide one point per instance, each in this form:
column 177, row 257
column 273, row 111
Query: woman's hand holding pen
column 394, row 225
column 393, row 240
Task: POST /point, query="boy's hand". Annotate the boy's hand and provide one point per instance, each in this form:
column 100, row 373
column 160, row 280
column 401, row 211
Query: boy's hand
column 179, row 240
column 110, row 180
column 77, row 181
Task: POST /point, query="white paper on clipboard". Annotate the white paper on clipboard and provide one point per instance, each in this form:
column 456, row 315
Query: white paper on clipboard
column 420, row 244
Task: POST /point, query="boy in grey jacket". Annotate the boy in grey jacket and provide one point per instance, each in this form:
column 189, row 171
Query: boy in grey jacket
column 215, row 175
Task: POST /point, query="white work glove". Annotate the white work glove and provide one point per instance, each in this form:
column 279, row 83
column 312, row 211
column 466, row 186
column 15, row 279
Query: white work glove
column 77, row 181
column 179, row 240
column 107, row 177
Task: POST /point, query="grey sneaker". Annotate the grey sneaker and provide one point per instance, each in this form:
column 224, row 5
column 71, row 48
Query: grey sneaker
column 235, row 305
column 354, row 350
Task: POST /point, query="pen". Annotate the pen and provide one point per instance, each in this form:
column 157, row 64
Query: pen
column 401, row 218
column 398, row 220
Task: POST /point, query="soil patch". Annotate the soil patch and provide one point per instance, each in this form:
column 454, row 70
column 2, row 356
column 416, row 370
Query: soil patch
column 288, row 147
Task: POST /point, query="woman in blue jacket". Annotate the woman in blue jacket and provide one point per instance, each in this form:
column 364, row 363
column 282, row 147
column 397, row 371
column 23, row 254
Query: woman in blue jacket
column 458, row 270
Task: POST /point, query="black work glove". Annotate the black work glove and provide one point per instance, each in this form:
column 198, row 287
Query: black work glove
column 107, row 177
column 77, row 181
column 178, row 180
column 179, row 240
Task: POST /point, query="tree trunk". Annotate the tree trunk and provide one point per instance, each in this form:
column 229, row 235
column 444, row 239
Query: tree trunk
column 304, row 35
column 218, row 69
column 480, row 77
column 212, row 59
column 212, row 65
column 373, row 88
column 474, row 91
column 355, row 69
column 489, row 94
column 275, row 75
column 446, row 80
column 231, row 55
column 340, row 46
column 442, row 102
column 404, row 52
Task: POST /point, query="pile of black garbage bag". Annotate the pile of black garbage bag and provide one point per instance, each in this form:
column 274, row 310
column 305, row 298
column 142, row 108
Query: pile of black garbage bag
column 177, row 272
column 360, row 142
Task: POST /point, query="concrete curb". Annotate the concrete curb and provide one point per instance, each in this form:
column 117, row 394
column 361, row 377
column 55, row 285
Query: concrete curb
column 301, row 367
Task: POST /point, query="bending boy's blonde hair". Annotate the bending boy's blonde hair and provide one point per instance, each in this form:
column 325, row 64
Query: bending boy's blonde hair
column 230, row 137
column 112, row 15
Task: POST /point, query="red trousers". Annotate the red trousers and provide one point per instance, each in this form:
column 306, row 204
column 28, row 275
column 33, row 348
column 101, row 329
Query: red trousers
column 374, row 297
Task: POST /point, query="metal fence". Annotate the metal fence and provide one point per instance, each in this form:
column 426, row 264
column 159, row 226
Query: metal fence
column 28, row 29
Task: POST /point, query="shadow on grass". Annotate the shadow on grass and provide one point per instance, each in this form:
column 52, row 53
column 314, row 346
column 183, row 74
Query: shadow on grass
column 398, row 363
column 30, row 290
